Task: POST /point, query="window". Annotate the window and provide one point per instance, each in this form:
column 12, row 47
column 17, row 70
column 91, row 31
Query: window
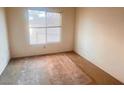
column 44, row 27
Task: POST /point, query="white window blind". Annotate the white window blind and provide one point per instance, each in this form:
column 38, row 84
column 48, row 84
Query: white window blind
column 44, row 27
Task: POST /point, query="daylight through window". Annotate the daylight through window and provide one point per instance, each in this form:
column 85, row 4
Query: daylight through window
column 44, row 27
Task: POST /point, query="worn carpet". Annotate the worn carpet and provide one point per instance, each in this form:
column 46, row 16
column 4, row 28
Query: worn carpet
column 57, row 69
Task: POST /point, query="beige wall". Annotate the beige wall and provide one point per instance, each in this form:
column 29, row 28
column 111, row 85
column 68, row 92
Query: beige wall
column 4, row 48
column 19, row 37
column 100, row 38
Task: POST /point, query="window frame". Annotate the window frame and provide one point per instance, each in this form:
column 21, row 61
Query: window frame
column 46, row 42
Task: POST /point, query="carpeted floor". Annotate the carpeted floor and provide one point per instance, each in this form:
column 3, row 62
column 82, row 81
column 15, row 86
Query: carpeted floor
column 60, row 68
column 49, row 69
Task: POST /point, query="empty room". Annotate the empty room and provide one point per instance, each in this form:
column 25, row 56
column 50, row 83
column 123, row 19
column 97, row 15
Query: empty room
column 61, row 46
